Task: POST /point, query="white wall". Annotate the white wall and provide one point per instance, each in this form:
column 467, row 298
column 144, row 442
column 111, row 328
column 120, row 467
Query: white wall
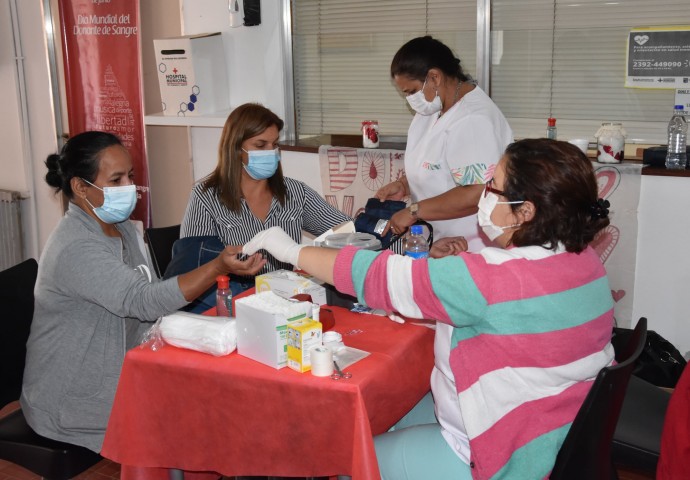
column 27, row 126
column 254, row 61
column 254, row 54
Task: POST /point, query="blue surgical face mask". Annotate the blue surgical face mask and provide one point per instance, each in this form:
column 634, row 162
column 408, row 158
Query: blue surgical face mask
column 262, row 164
column 118, row 203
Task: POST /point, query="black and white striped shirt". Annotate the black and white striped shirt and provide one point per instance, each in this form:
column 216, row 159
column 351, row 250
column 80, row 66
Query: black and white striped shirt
column 304, row 210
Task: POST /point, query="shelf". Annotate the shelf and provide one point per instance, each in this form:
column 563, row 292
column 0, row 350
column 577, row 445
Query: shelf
column 215, row 119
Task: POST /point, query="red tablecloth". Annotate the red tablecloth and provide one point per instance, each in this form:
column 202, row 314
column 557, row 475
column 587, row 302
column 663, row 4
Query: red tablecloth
column 182, row 409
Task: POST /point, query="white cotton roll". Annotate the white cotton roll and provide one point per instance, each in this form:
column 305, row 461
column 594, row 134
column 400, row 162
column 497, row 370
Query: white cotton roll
column 214, row 335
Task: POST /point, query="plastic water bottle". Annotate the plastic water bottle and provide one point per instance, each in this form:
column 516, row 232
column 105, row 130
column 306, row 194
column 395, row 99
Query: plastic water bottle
column 676, row 155
column 416, row 245
column 223, row 296
column 551, row 131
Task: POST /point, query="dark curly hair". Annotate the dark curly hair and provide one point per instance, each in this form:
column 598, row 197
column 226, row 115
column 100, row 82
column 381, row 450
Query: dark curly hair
column 419, row 55
column 559, row 180
column 79, row 157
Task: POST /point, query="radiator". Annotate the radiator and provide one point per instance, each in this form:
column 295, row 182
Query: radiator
column 10, row 230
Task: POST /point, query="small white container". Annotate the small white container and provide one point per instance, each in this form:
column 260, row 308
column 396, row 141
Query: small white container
column 581, row 143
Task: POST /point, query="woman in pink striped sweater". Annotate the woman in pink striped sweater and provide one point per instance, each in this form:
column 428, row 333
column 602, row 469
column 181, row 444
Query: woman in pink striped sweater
column 522, row 330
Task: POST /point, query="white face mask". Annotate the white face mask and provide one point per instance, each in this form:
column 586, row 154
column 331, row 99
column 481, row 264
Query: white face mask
column 486, row 205
column 421, row 105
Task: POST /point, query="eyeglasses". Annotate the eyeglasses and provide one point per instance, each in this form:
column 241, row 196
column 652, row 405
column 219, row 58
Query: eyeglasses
column 488, row 188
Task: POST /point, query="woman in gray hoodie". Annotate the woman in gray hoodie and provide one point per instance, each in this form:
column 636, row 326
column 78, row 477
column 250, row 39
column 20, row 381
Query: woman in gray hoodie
column 95, row 294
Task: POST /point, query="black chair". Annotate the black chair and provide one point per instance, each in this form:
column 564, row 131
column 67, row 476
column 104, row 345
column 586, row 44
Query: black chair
column 637, row 440
column 19, row 444
column 160, row 241
column 586, row 450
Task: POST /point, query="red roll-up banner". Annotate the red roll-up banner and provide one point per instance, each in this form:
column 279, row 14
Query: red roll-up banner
column 101, row 48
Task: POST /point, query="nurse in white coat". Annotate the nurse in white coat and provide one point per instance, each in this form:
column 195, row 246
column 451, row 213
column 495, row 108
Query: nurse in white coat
column 453, row 144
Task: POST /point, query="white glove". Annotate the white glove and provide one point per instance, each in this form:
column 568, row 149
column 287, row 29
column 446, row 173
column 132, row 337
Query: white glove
column 276, row 242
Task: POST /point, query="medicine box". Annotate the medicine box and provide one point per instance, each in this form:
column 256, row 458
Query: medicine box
column 262, row 335
column 287, row 284
column 192, row 74
column 302, row 335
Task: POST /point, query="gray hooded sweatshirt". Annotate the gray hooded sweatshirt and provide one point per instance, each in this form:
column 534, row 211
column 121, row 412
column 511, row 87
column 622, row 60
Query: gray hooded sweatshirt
column 94, row 301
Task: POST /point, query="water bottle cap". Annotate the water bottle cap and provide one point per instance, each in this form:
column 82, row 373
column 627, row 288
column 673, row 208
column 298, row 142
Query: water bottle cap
column 416, row 230
column 552, row 122
column 223, row 281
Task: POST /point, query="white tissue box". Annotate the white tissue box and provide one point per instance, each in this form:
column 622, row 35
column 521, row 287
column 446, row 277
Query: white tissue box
column 262, row 326
column 287, row 284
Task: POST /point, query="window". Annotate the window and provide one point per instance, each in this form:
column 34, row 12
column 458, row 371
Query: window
column 342, row 51
column 561, row 58
column 566, row 58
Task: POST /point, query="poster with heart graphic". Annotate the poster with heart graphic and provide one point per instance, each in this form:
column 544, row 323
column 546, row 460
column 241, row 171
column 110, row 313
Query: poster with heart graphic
column 617, row 243
column 658, row 57
column 351, row 176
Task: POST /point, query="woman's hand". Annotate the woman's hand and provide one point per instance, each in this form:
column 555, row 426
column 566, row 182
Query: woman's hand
column 194, row 283
column 448, row 246
column 400, row 222
column 393, row 191
column 276, row 242
column 246, row 268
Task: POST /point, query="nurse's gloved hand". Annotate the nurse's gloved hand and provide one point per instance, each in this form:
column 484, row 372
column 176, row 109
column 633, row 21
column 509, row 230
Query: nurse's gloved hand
column 276, row 242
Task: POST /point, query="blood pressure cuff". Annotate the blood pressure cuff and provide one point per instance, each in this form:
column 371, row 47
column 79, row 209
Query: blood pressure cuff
column 374, row 219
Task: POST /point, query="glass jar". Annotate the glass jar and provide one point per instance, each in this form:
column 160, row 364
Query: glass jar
column 370, row 134
column 610, row 142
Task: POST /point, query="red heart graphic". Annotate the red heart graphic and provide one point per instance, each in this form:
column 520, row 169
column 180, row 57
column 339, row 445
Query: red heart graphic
column 617, row 295
column 605, row 241
column 608, row 179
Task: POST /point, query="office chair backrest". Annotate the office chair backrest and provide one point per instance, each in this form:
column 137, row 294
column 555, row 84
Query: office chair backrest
column 160, row 242
column 17, row 303
column 586, row 450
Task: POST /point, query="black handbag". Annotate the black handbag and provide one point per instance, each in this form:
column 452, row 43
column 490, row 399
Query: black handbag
column 374, row 219
column 660, row 363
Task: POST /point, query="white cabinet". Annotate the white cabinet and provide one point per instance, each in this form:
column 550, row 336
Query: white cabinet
column 662, row 276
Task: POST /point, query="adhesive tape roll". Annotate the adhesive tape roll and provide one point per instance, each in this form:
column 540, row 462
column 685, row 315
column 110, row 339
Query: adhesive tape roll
column 321, row 361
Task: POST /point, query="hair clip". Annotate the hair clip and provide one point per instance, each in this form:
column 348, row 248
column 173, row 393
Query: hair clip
column 600, row 209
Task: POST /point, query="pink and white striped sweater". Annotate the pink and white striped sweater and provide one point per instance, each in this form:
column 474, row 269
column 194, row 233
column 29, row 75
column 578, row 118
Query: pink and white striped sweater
column 531, row 330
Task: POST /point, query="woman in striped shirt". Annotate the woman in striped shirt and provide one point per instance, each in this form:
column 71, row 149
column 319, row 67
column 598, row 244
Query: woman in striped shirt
column 247, row 192
column 522, row 330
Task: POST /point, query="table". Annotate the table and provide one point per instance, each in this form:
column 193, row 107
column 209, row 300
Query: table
column 178, row 408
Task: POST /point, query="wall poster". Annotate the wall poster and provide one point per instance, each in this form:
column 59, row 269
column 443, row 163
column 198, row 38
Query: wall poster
column 658, row 57
column 101, row 49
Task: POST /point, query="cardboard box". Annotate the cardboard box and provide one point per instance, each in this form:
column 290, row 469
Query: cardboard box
column 302, row 335
column 192, row 74
column 261, row 334
column 287, row 284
